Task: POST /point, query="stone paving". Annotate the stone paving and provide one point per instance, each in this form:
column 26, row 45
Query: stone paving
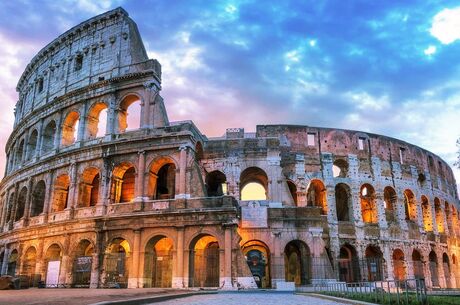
column 250, row 298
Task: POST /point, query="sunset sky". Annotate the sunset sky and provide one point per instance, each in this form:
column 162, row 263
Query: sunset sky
column 388, row 67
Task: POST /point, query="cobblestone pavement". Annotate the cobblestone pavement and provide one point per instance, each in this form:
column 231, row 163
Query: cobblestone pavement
column 250, row 299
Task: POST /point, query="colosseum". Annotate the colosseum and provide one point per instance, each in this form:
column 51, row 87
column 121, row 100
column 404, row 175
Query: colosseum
column 97, row 196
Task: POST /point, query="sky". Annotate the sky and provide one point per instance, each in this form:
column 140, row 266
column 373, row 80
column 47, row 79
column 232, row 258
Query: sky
column 387, row 67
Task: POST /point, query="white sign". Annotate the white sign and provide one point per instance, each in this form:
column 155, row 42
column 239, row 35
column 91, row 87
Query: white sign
column 254, row 216
column 52, row 273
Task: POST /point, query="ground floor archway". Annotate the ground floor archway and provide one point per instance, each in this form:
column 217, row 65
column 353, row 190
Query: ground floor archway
column 158, row 262
column 116, row 263
column 399, row 265
column 204, row 262
column 82, row 264
column 297, row 263
column 53, row 265
column 257, row 256
column 29, row 265
column 348, row 264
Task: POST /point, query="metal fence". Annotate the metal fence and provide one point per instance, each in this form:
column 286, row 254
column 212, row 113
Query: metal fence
column 406, row 292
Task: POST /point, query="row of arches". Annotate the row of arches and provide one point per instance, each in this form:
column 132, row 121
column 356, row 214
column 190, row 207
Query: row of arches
column 95, row 123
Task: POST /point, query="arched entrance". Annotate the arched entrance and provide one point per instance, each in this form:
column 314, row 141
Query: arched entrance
column 257, row 256
column 348, row 264
column 82, row 264
column 418, row 265
column 204, row 262
column 12, row 263
column 158, row 262
column 116, row 263
column 446, row 268
column 297, row 263
column 399, row 265
column 434, row 269
column 28, row 267
column 374, row 263
column 53, row 265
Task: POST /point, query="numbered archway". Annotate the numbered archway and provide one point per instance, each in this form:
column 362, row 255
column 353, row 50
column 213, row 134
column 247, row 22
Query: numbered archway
column 374, row 263
column 434, row 269
column 297, row 263
column 257, row 256
column 116, row 262
column 82, row 264
column 28, row 267
column 418, row 265
column 399, row 265
column 348, row 264
column 158, row 262
column 53, row 265
column 12, row 263
column 204, row 262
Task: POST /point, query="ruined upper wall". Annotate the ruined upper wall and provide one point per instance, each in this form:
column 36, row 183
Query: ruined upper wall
column 103, row 47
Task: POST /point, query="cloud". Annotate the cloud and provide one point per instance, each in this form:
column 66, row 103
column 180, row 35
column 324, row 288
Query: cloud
column 446, row 25
column 430, row 50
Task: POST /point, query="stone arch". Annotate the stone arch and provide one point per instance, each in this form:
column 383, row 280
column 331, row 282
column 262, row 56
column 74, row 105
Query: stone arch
column 316, row 195
column 447, row 269
column 21, row 203
column 12, row 263
column 117, row 258
column 439, row 215
column 123, row 183
column 38, row 198
column 19, row 153
column 426, row 213
column 162, row 178
column 89, row 185
column 433, row 261
column 48, row 138
column 292, row 190
column 32, row 144
column 69, row 128
column 216, row 184
column 158, row 262
column 53, row 256
column 253, row 184
column 399, row 265
column 129, row 113
column 348, row 264
column 390, row 200
column 343, row 202
column 257, row 255
column 340, row 168
column 97, row 120
column 82, row 263
column 29, row 263
column 410, row 205
column 418, row 264
column 204, row 261
column 374, row 263
column 61, row 193
column 369, row 210
column 297, row 262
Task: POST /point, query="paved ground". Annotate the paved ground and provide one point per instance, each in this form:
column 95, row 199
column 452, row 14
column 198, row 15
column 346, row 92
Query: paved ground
column 246, row 298
column 35, row 296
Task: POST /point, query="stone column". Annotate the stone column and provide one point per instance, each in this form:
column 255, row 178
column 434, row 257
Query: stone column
column 277, row 261
column 133, row 281
column 182, row 171
column 94, row 280
column 38, row 148
column 381, row 215
column 73, row 201
column 6, row 255
column 111, row 115
column 151, row 90
column 227, row 279
column 178, row 278
column 83, row 122
column 28, row 204
column 140, row 177
column 48, row 195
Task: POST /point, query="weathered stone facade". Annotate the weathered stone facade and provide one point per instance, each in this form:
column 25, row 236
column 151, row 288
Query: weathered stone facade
column 88, row 200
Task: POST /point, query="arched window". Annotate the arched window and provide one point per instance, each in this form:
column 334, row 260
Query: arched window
column 49, row 134
column 368, row 205
column 38, row 198
column 97, row 121
column 70, row 128
column 89, row 187
column 21, row 203
column 123, row 183
column 129, row 116
column 253, row 184
column 32, row 145
column 19, row 154
column 316, row 195
column 343, row 202
column 389, row 198
column 162, row 179
column 61, row 193
column 439, row 215
column 426, row 212
column 216, row 184
column 410, row 205
column 340, row 168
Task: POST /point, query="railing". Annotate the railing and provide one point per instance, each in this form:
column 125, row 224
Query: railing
column 405, row 292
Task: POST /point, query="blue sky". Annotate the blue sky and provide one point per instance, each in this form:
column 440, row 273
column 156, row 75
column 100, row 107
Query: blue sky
column 388, row 67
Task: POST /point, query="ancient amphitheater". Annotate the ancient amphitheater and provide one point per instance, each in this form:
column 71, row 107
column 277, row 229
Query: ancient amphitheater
column 94, row 197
